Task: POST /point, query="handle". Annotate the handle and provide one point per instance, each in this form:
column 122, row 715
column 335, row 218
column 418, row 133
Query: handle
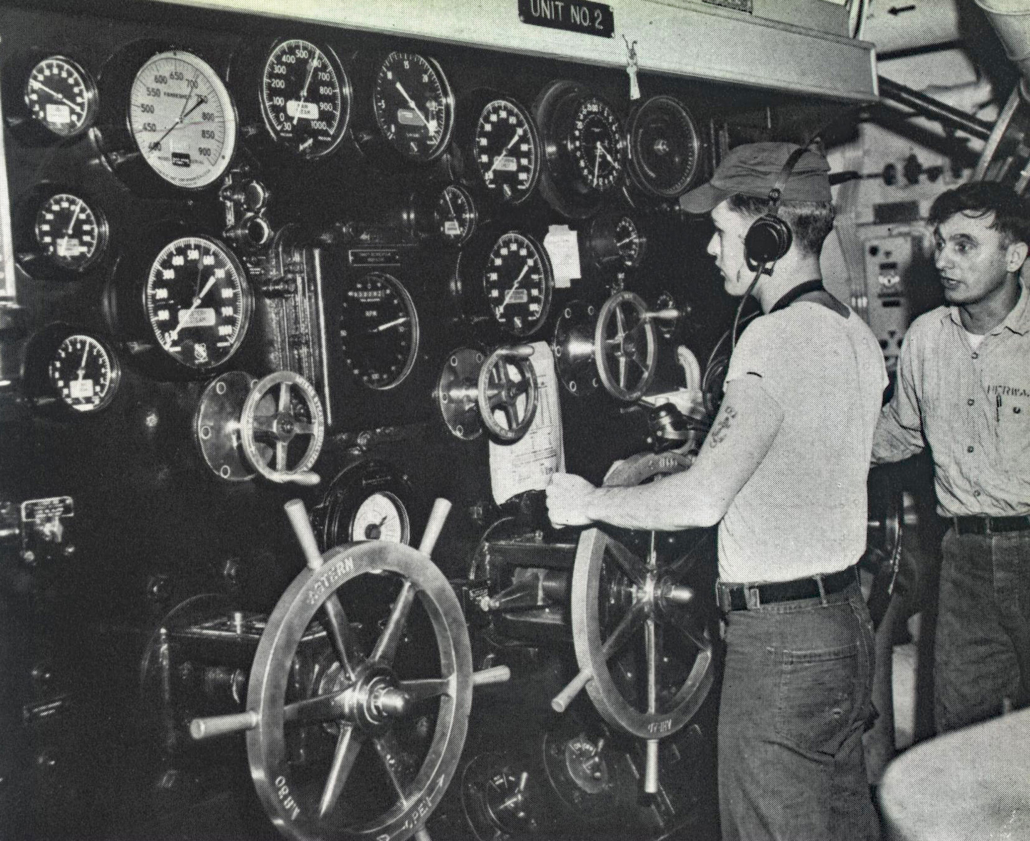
column 496, row 674
column 298, row 516
column 563, row 699
column 516, row 351
column 667, row 314
column 437, row 517
column 221, row 725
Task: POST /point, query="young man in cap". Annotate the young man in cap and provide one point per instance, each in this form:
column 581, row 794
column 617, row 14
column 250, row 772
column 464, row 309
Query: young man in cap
column 964, row 388
column 783, row 473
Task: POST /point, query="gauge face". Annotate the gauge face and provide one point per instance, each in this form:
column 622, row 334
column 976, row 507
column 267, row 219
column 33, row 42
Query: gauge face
column 182, row 119
column 84, row 373
column 69, row 233
column 455, row 215
column 198, row 302
column 380, row 516
column 413, row 105
column 378, row 330
column 506, row 150
column 664, row 147
column 517, row 282
column 629, row 241
column 305, row 98
column 596, row 144
column 61, row 96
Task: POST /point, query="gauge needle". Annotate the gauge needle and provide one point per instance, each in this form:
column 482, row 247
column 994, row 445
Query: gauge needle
column 82, row 365
column 597, row 159
column 514, row 286
column 447, row 197
column 55, row 95
column 626, row 241
column 183, row 316
column 505, row 150
column 379, row 328
column 431, row 125
column 200, row 101
column 611, row 160
column 75, row 215
column 304, row 90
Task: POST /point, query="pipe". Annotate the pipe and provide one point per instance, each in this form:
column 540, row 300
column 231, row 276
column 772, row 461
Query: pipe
column 1011, row 20
column 934, row 109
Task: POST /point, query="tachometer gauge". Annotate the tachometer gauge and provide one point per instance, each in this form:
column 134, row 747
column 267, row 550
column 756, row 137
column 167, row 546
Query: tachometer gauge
column 517, row 281
column 378, row 330
column 305, row 97
column 380, row 516
column 84, row 372
column 454, row 215
column 596, row 144
column 664, row 147
column 413, row 105
column 182, row 119
column 506, row 150
column 69, row 233
column 61, row 96
column 198, row 302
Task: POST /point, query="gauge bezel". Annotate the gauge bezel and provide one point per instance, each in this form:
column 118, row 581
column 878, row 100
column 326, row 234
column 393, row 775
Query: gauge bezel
column 448, row 96
column 113, row 379
column 547, row 273
column 90, row 90
column 534, row 139
column 102, row 234
column 636, row 167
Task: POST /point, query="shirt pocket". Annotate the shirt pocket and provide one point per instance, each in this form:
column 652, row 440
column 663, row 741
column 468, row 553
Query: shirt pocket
column 1012, row 419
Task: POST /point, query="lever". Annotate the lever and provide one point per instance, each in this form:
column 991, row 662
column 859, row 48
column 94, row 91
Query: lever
column 667, row 314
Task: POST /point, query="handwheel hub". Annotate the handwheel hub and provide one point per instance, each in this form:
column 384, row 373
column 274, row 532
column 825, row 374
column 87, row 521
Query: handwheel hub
column 284, row 427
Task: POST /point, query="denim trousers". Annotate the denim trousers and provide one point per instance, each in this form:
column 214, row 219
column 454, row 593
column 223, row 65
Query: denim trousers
column 982, row 647
column 796, row 694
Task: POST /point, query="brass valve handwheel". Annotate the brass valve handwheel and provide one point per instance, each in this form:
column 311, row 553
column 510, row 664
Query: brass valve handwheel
column 507, row 392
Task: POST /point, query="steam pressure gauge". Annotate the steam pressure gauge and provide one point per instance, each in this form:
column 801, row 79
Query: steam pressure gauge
column 84, row 372
column 61, row 96
column 413, row 106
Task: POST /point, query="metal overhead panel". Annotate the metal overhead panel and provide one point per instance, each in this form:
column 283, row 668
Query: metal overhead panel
column 677, row 37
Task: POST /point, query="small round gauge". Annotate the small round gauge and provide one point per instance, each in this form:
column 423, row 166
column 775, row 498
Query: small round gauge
column 61, row 96
column 380, row 516
column 596, row 144
column 629, row 241
column 506, row 150
column 69, row 232
column 413, row 105
column 84, row 372
column 198, row 302
column 305, row 97
column 664, row 147
column 517, row 281
column 454, row 215
column 183, row 120
column 378, row 330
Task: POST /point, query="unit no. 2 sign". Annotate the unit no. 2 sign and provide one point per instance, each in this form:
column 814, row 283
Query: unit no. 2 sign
column 581, row 16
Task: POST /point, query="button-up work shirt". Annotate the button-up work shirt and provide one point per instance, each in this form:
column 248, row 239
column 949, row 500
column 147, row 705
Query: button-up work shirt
column 972, row 406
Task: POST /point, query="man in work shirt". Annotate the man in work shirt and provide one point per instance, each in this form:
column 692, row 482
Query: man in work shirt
column 964, row 388
column 783, row 472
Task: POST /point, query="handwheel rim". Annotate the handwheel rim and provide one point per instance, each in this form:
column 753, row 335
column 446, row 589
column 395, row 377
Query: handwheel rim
column 635, row 372
column 286, row 426
column 490, row 399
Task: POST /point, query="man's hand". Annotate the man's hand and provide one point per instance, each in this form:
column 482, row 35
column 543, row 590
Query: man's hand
column 567, row 498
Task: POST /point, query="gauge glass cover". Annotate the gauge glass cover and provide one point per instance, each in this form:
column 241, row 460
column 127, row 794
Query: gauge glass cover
column 517, row 282
column 69, row 233
column 597, row 145
column 84, row 373
column 378, row 330
column 183, row 119
column 413, row 105
column 198, row 302
column 506, row 150
column 61, row 96
column 380, row 516
column 305, row 98
column 455, row 215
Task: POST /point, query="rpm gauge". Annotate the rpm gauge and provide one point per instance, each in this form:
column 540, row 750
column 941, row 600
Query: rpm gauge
column 413, row 105
column 517, row 282
column 61, row 96
column 198, row 302
column 182, row 119
column 84, row 372
column 378, row 330
column 506, row 150
column 305, row 98
column 69, row 233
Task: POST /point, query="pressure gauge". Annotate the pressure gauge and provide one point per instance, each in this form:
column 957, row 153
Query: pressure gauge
column 378, row 330
column 305, row 97
column 454, row 215
column 84, row 372
column 69, row 233
column 380, row 516
column 61, row 96
column 517, row 282
column 182, row 119
column 368, row 500
column 413, row 105
column 664, row 147
column 198, row 302
column 506, row 150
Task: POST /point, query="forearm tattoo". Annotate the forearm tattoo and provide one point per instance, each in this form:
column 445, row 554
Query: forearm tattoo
column 719, row 431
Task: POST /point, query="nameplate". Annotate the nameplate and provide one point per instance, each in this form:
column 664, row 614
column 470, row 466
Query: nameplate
column 582, row 16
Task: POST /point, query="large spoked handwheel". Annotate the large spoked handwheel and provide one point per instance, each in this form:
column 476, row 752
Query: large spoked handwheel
column 625, row 346
column 884, row 531
column 507, row 392
column 282, row 427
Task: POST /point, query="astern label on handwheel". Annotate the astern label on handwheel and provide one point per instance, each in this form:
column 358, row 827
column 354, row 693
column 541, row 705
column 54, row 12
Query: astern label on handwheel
column 582, row 16
column 328, row 579
column 282, row 790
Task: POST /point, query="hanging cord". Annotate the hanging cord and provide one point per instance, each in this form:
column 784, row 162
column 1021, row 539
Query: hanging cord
column 740, row 306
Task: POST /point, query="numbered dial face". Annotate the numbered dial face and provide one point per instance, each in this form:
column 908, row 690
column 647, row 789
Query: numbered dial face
column 517, row 282
column 305, row 98
column 629, row 241
column 454, row 214
column 61, row 96
column 380, row 516
column 506, row 150
column 182, row 119
column 665, row 147
column 413, row 105
column 84, row 373
column 378, row 330
column 68, row 233
column 597, row 146
column 198, row 302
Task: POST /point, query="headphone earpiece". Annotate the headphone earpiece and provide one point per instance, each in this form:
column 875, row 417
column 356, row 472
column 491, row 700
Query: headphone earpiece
column 769, row 238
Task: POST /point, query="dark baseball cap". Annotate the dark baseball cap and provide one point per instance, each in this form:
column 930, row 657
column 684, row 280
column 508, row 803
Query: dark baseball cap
column 752, row 169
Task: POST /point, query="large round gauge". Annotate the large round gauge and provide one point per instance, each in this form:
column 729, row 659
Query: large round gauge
column 198, row 302
column 378, row 330
column 664, row 147
column 596, row 144
column 615, row 240
column 69, row 233
column 517, row 282
column 454, row 215
column 182, row 119
column 305, row 97
column 380, row 516
column 61, row 96
column 506, row 150
column 368, row 500
column 84, row 372
column 413, row 105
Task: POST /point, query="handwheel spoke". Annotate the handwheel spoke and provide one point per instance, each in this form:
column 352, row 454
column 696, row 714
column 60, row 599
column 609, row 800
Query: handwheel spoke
column 622, row 371
column 510, row 414
column 320, row 708
column 650, row 647
column 623, row 631
column 302, row 428
column 284, row 398
column 395, row 763
column 695, row 637
column 264, row 424
column 424, row 689
column 637, row 360
column 386, row 645
column 620, row 320
column 339, row 632
column 347, row 748
column 629, row 563
column 679, row 568
column 281, row 448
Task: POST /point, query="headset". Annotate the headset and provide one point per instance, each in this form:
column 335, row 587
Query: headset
column 769, row 237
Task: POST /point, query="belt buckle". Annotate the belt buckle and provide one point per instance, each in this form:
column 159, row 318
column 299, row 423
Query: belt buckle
column 751, row 598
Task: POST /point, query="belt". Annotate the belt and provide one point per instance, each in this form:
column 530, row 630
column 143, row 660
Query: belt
column 989, row 525
column 749, row 596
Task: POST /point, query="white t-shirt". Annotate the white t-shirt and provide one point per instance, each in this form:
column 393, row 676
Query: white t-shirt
column 803, row 512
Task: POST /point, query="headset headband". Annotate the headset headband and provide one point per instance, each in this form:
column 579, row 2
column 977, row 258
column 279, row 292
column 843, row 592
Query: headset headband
column 781, row 179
